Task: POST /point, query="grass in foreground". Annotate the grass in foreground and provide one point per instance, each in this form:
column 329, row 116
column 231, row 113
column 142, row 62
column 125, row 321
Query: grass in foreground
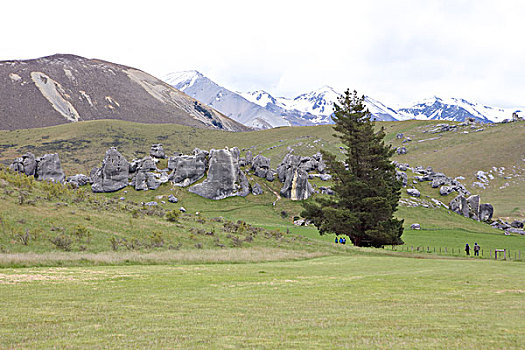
column 331, row 302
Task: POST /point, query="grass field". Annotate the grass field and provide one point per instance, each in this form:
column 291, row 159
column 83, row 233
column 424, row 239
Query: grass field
column 330, row 302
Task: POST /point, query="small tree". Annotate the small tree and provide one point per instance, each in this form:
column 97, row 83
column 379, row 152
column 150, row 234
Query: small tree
column 366, row 189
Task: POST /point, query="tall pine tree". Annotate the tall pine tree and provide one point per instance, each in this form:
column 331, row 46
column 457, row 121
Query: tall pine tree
column 366, row 189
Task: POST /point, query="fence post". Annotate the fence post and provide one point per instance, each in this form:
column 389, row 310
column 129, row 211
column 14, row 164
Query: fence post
column 490, row 253
column 519, row 254
column 481, row 252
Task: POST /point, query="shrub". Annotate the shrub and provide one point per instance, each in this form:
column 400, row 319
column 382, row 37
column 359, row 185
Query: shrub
column 173, row 215
column 62, row 241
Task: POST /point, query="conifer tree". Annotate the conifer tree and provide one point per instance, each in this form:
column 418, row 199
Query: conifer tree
column 366, row 188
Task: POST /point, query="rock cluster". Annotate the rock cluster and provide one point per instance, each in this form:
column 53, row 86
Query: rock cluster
column 44, row 168
column 293, row 173
column 224, row 178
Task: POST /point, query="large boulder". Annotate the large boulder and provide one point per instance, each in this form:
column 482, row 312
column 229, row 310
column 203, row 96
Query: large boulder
column 473, row 207
column 248, row 157
column 157, row 151
column 224, row 178
column 459, row 205
column 25, row 164
column 446, row 190
column 486, row 211
column 146, row 175
column 257, row 189
column 187, row 169
column 261, row 166
column 296, row 185
column 413, row 192
column 112, row 175
column 292, row 172
column 48, row 168
column 78, row 180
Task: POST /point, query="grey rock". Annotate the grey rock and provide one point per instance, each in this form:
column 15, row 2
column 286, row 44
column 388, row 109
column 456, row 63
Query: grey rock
column 296, row 185
column 413, row 192
column 445, row 190
column 225, row 178
column 122, row 198
column 515, row 230
column 261, row 166
column 182, row 209
column 172, row 199
column 401, row 150
column 459, row 205
column 25, row 164
column 415, row 227
column 248, row 157
column 188, row 169
column 78, row 180
column 326, row 190
column 151, row 204
column 516, row 224
column 473, row 207
column 157, row 151
column 257, row 189
column 113, row 175
column 402, row 177
column 48, row 168
column 399, row 136
column 486, row 211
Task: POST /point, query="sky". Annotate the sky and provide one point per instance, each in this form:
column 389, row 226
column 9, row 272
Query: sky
column 397, row 52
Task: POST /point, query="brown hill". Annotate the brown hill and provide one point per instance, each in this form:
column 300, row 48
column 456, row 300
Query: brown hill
column 61, row 89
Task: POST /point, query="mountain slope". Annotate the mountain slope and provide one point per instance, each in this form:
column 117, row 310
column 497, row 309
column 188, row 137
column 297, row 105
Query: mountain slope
column 230, row 103
column 457, row 109
column 61, row 89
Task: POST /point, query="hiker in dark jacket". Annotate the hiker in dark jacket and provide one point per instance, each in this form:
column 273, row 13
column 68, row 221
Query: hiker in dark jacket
column 467, row 249
column 476, row 249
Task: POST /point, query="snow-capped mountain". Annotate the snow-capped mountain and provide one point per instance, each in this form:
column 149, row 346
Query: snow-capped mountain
column 458, row 110
column 317, row 106
column 225, row 101
column 260, row 109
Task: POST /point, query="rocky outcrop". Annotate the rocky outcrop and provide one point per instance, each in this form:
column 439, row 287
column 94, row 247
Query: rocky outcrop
column 157, row 151
column 257, row 189
column 413, row 192
column 78, row 180
column 472, row 208
column 224, row 178
column 187, row 170
column 25, row 164
column 145, row 175
column 49, row 168
column 292, row 172
column 486, row 211
column 112, row 175
column 261, row 167
column 402, row 177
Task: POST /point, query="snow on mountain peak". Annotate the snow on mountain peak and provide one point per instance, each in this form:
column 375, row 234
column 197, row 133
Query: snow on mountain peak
column 184, row 79
column 260, row 97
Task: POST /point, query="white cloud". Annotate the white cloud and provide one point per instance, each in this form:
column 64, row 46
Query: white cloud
column 395, row 51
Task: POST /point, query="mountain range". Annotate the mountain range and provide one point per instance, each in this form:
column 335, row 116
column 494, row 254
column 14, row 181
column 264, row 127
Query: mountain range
column 259, row 109
column 61, row 89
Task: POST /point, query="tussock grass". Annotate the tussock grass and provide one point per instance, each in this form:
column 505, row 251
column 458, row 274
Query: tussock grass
column 194, row 256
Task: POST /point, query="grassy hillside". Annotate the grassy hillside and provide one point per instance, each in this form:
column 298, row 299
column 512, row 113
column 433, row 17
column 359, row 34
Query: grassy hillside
column 45, row 212
column 81, row 146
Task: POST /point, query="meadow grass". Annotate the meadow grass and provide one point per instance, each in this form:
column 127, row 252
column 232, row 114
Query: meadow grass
column 360, row 302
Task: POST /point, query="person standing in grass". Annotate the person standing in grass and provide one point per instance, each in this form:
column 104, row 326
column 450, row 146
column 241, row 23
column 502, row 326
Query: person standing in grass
column 476, row 249
column 467, row 249
column 335, row 239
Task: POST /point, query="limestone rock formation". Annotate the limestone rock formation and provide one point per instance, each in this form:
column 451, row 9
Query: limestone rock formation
column 49, row 168
column 402, row 177
column 224, row 178
column 261, row 167
column 413, row 192
column 157, row 151
column 112, row 175
column 187, row 169
column 172, row 199
column 78, row 180
column 486, row 211
column 257, row 189
column 25, row 164
column 296, row 185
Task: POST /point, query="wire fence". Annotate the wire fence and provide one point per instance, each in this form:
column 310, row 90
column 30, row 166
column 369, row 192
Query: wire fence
column 491, row 253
